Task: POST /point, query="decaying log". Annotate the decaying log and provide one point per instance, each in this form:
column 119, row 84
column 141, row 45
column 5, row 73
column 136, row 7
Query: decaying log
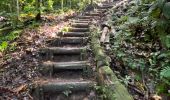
column 105, row 75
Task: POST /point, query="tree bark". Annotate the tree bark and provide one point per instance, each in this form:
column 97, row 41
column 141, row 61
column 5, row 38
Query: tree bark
column 38, row 17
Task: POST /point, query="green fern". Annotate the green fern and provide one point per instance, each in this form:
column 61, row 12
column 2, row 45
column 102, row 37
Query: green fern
column 165, row 72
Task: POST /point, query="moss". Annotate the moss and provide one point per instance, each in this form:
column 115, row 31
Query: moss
column 114, row 90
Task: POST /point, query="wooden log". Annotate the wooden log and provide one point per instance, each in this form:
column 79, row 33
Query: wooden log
column 80, row 21
column 104, row 7
column 85, row 17
column 79, row 29
column 80, row 25
column 92, row 14
column 74, row 34
column 63, row 50
column 106, row 77
column 69, row 40
column 53, row 86
column 100, row 10
column 75, row 65
column 104, row 33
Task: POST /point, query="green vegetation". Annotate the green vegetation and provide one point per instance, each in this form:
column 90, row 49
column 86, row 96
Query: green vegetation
column 142, row 42
column 8, row 40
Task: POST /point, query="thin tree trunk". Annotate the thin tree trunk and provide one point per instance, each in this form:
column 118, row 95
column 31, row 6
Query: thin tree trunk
column 91, row 2
column 38, row 17
column 70, row 4
column 17, row 3
column 62, row 5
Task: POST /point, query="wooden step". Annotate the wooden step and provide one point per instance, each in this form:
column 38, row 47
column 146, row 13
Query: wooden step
column 100, row 10
column 74, row 34
column 69, row 41
column 80, row 25
column 79, row 21
column 79, row 29
column 85, row 17
column 104, row 7
column 51, row 86
column 51, row 67
column 63, row 50
column 92, row 14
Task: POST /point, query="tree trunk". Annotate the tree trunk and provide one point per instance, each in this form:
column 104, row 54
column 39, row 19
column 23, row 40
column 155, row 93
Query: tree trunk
column 70, row 4
column 91, row 2
column 17, row 4
column 62, row 5
column 38, row 17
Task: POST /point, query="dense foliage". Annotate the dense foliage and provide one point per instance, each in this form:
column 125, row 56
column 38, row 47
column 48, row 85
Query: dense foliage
column 142, row 43
column 18, row 13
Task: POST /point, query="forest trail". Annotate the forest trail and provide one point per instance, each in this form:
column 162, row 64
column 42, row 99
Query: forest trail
column 67, row 63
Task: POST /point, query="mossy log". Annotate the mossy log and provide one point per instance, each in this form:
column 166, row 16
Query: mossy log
column 105, row 76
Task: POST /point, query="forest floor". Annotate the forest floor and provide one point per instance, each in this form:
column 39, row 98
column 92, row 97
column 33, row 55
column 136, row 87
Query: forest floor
column 19, row 67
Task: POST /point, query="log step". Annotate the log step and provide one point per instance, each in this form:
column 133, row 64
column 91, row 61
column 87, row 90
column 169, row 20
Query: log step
column 63, row 50
column 104, row 7
column 100, row 10
column 74, row 34
column 80, row 25
column 80, row 21
column 69, row 41
column 85, row 17
column 52, row 86
column 79, row 29
column 74, row 65
column 92, row 14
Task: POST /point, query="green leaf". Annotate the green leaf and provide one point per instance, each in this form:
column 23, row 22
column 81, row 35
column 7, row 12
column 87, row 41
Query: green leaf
column 161, row 3
column 3, row 46
column 165, row 54
column 166, row 9
column 165, row 72
column 167, row 41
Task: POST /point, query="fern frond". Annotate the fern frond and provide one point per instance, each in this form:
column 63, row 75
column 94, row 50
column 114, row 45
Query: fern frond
column 165, row 72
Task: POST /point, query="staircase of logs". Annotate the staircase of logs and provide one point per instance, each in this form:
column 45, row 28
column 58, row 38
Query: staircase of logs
column 67, row 67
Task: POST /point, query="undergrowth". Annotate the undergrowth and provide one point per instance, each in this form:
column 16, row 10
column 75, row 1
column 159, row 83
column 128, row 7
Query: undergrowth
column 141, row 44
